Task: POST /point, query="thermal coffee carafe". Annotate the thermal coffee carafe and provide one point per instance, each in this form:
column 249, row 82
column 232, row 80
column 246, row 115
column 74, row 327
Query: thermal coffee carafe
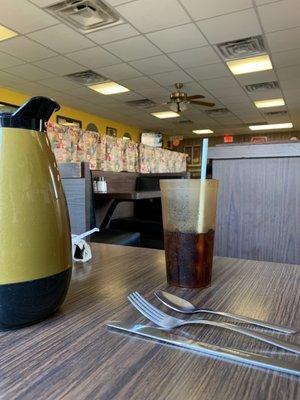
column 35, row 239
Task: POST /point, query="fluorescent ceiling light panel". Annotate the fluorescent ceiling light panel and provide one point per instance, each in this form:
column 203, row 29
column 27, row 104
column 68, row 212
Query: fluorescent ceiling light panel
column 269, row 103
column 6, row 33
column 165, row 114
column 251, row 64
column 286, row 125
column 200, row 131
column 109, row 88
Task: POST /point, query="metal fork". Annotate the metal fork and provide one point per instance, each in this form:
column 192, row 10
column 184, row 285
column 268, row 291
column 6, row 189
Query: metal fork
column 166, row 321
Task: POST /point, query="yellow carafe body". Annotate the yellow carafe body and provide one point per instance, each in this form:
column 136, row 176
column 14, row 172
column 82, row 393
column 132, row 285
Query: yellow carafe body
column 35, row 239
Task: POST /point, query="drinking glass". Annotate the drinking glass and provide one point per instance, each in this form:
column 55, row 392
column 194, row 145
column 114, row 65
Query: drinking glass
column 189, row 216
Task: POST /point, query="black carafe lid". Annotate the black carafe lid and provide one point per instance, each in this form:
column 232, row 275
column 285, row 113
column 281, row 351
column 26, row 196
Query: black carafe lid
column 31, row 115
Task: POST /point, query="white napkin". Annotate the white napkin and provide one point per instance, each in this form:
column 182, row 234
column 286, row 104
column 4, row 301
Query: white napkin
column 81, row 251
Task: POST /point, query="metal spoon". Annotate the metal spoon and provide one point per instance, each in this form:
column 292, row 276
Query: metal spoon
column 179, row 304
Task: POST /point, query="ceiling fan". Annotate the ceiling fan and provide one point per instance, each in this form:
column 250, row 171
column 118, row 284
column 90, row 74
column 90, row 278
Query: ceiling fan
column 179, row 100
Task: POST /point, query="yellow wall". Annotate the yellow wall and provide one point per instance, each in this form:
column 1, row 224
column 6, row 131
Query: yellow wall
column 15, row 98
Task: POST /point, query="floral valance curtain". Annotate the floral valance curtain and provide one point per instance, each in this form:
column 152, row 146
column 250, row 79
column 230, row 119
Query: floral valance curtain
column 106, row 153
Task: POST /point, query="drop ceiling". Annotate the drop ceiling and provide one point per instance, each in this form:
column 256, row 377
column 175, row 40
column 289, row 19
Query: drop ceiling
column 159, row 43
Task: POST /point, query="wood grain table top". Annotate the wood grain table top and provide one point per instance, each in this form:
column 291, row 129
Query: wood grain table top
column 72, row 354
column 128, row 195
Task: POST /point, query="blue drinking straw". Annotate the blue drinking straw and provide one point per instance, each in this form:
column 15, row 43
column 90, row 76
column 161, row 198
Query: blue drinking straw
column 204, row 158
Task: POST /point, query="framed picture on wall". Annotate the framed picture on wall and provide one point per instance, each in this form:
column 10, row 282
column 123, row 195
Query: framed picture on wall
column 92, row 127
column 259, row 139
column 111, row 131
column 196, row 155
column 68, row 121
column 126, row 136
column 189, row 151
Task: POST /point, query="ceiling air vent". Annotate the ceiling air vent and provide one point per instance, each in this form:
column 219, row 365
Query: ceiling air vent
column 143, row 103
column 257, row 87
column 85, row 15
column 217, row 112
column 243, row 48
column 87, row 77
column 275, row 113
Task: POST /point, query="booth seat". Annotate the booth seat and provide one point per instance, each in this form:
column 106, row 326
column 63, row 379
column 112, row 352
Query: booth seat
column 133, row 223
column 147, row 219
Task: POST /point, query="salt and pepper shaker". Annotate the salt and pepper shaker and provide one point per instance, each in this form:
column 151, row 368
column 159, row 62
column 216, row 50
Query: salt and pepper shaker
column 95, row 184
column 102, row 185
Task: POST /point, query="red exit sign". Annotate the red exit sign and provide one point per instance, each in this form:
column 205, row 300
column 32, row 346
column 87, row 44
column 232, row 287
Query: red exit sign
column 228, row 139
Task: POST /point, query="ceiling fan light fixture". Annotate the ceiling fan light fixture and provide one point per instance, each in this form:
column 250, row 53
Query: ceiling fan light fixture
column 202, row 131
column 178, row 107
column 165, row 114
column 249, row 65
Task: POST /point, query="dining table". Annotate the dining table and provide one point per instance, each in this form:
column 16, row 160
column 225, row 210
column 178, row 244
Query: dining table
column 74, row 355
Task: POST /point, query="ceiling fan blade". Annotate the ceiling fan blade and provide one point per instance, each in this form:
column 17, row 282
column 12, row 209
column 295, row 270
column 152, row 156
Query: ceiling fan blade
column 195, row 96
column 202, row 103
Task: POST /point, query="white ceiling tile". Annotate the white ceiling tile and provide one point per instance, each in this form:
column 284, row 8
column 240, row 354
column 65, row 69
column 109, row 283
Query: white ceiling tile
column 24, row 17
column 200, row 9
column 58, row 83
column 153, row 65
column 284, row 40
column 235, row 26
column 128, row 96
column 292, row 94
column 289, row 84
column 195, row 57
column 229, row 98
column 43, row 3
column 29, row 72
column 227, row 92
column 292, row 72
column 261, row 2
column 155, row 92
column 133, row 48
column 286, row 58
column 64, row 98
column 8, row 61
column 85, row 93
column 209, row 71
column 242, row 102
column 140, row 83
column 79, row 105
column 25, row 49
column 6, row 79
column 224, row 82
column 114, row 2
column 61, row 38
column 31, row 88
column 119, row 72
column 59, row 65
column 112, row 34
column 170, row 78
column 153, row 15
column 94, row 57
column 257, row 77
column 179, row 38
column 279, row 16
column 239, row 108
